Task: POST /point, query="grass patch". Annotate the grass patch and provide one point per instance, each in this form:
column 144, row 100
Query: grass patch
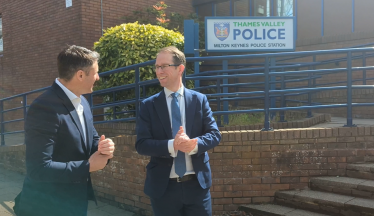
column 259, row 118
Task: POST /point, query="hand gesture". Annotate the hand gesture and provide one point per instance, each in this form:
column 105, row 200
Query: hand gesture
column 183, row 143
column 106, row 146
column 98, row 161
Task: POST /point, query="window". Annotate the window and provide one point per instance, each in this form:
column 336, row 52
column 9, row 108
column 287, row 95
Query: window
column 1, row 34
column 260, row 8
column 283, row 8
column 222, row 8
column 241, row 8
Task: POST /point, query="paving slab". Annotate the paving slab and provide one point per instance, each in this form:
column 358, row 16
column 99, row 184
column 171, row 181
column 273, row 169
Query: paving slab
column 11, row 184
column 335, row 200
column 272, row 209
column 341, row 121
column 366, row 167
column 360, row 203
column 345, row 182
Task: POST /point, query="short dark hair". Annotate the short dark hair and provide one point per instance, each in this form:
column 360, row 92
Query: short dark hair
column 74, row 58
column 178, row 56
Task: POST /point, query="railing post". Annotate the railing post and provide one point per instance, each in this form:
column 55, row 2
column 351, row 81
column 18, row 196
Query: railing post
column 219, row 102
column 137, row 92
column 24, row 110
column 283, row 98
column 267, row 97
column 314, row 67
column 236, row 103
column 90, row 101
column 310, row 115
column 196, row 52
column 349, row 91
column 114, row 107
column 225, row 66
column 364, row 71
column 2, row 131
column 272, row 87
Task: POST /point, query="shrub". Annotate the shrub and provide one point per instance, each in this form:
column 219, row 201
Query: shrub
column 130, row 44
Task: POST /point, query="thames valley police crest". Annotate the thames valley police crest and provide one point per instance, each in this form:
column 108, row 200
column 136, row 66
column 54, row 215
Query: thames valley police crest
column 222, row 30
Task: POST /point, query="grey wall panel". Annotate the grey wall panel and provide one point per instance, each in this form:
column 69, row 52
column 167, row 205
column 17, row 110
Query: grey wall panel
column 338, row 17
column 308, row 19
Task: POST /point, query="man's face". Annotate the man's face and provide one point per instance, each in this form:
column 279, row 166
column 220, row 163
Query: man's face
column 90, row 79
column 169, row 76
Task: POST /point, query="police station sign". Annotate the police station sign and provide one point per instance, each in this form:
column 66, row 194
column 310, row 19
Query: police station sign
column 248, row 34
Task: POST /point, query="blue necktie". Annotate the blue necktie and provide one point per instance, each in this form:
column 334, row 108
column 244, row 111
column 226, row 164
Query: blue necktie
column 180, row 160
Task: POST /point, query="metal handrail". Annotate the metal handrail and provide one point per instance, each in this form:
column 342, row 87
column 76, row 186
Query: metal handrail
column 269, row 93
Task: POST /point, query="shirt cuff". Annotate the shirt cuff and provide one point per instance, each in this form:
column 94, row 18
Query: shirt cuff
column 171, row 148
column 194, row 151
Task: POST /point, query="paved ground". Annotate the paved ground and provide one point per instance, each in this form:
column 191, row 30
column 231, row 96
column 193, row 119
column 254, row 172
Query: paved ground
column 11, row 185
column 340, row 122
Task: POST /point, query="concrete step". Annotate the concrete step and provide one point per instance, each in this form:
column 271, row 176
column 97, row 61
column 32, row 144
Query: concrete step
column 326, row 203
column 363, row 171
column 275, row 210
column 344, row 185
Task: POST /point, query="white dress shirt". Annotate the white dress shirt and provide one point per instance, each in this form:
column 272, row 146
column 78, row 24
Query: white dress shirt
column 76, row 101
column 173, row 153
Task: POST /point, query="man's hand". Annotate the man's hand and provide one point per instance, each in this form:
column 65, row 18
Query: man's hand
column 106, row 146
column 187, row 146
column 98, row 161
column 179, row 138
column 183, row 143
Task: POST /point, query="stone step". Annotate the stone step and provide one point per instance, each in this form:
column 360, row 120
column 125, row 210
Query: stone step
column 275, row 210
column 363, row 171
column 344, row 185
column 327, row 203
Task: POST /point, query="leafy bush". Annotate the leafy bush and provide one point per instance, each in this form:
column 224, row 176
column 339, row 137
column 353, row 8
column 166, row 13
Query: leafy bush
column 129, row 44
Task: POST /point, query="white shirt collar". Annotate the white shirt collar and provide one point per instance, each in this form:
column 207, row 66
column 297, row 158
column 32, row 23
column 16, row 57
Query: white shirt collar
column 168, row 92
column 73, row 98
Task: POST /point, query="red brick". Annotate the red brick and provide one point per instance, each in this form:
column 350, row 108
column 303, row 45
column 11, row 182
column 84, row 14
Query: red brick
column 223, row 201
column 233, row 194
column 242, row 200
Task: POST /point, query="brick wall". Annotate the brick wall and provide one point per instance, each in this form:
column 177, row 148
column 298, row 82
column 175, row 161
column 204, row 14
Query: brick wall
column 36, row 31
column 248, row 166
column 115, row 129
column 13, row 158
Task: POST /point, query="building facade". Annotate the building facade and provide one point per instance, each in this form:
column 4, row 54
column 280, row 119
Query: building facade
column 32, row 33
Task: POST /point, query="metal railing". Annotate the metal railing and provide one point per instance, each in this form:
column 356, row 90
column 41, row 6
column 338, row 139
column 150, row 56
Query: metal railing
column 272, row 78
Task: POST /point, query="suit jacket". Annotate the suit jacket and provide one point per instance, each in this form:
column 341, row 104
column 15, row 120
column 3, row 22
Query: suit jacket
column 58, row 179
column 154, row 131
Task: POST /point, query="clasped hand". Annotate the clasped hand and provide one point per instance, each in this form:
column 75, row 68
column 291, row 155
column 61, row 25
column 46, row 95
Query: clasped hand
column 105, row 152
column 106, row 146
column 183, row 143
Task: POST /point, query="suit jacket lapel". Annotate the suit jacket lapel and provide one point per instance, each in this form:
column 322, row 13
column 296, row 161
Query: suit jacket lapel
column 190, row 107
column 69, row 106
column 163, row 113
column 89, row 124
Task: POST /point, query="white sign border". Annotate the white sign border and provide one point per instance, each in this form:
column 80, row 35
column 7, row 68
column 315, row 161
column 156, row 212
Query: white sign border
column 250, row 50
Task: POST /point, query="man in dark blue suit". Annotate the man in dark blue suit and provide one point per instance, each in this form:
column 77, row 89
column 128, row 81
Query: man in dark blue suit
column 176, row 128
column 62, row 145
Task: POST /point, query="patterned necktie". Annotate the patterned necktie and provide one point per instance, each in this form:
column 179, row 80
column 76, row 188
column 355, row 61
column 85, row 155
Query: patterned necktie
column 180, row 160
